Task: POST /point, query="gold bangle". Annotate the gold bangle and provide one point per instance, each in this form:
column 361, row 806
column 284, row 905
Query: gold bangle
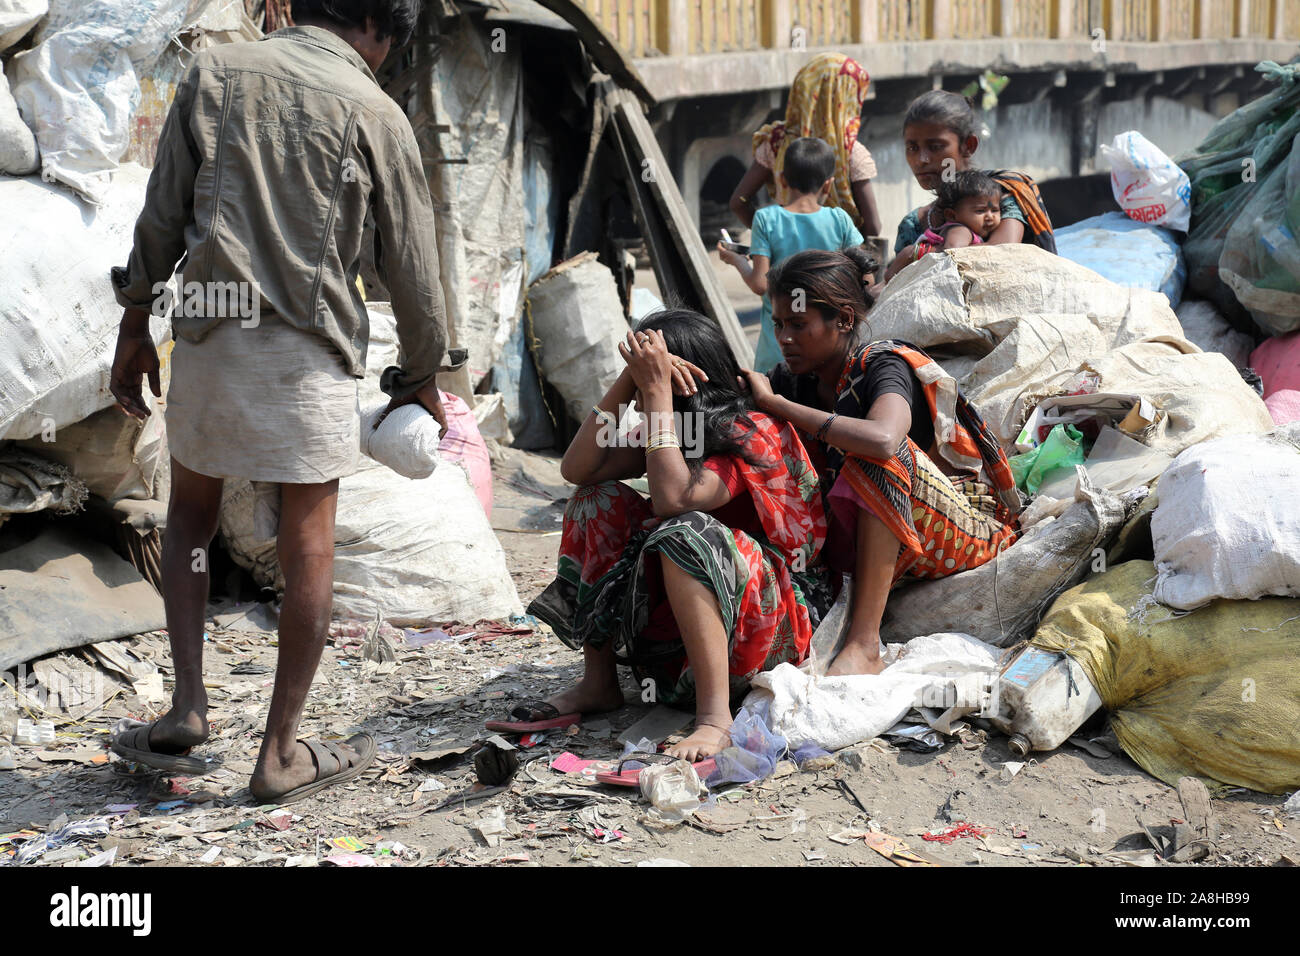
column 662, row 440
column 660, row 448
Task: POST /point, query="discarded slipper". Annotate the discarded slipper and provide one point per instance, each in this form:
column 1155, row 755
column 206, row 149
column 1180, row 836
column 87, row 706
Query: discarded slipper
column 532, row 716
column 130, row 741
column 326, row 750
column 631, row 778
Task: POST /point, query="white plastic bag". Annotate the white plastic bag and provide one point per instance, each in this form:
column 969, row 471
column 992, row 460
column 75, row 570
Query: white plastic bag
column 19, row 155
column 79, row 85
column 1228, row 521
column 17, row 17
column 406, row 441
column 1148, row 185
column 58, row 317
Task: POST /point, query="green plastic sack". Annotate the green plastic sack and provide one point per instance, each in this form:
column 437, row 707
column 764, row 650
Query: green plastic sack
column 1240, row 200
column 1213, row 694
column 1063, row 448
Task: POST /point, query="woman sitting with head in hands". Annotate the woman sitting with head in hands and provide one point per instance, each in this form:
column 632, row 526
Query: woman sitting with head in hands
column 710, row 580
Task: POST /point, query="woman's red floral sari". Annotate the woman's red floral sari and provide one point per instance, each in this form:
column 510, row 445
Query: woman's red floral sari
column 757, row 554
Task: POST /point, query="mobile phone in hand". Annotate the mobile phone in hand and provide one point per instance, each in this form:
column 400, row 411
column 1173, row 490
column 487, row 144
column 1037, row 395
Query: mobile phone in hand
column 731, row 246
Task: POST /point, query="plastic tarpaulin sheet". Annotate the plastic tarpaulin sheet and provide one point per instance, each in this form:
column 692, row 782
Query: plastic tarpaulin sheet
column 65, row 591
column 1213, row 694
column 515, row 375
column 1126, row 252
column 476, row 91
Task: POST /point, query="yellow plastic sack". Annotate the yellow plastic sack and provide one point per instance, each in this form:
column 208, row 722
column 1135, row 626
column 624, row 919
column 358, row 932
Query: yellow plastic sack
column 1213, row 694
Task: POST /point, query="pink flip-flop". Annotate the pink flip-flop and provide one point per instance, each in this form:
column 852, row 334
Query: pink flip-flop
column 532, row 716
column 632, row 778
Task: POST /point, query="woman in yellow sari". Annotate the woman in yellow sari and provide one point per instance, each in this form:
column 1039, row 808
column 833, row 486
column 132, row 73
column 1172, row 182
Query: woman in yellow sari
column 826, row 103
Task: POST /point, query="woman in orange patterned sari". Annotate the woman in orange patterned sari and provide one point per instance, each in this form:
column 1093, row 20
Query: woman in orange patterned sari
column 917, row 485
column 711, row 580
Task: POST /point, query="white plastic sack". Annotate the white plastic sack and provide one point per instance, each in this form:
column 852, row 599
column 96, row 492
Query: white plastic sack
column 415, row 551
column 19, row 155
column 1205, row 327
column 836, row 712
column 1001, row 602
column 578, row 323
column 1148, row 185
column 58, row 317
column 79, row 86
column 405, row 441
column 1228, row 521
column 17, row 17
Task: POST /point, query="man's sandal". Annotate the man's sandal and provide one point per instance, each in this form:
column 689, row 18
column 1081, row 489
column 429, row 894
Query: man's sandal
column 348, row 768
column 532, row 716
column 130, row 741
column 632, row 778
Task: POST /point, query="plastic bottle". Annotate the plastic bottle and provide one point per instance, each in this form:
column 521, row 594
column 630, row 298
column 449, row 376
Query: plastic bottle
column 1040, row 699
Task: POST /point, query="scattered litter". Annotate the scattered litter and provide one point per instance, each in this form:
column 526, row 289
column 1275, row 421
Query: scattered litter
column 31, row 734
column 37, row 847
column 496, row 762
column 895, row 850
column 491, row 826
column 662, row 861
column 674, row 789
column 1011, row 768
column 953, row 833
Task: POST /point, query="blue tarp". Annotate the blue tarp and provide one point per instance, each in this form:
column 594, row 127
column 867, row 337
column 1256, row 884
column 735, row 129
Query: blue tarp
column 1127, row 253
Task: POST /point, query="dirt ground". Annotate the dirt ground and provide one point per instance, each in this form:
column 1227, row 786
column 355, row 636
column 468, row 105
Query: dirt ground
column 427, row 707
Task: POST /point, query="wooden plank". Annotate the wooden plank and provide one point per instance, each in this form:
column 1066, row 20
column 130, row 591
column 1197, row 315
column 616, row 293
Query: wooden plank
column 682, row 254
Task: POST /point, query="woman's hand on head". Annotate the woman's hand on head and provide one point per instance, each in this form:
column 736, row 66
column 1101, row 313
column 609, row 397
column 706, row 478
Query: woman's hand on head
column 649, row 361
column 758, row 385
column 685, row 375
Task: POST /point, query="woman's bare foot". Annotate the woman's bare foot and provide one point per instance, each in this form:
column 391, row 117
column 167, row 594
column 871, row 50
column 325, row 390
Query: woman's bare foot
column 705, row 741
column 854, row 659
column 589, row 696
column 273, row 778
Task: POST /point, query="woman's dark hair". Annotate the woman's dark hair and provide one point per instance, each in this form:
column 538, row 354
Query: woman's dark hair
column 719, row 401
column 392, row 18
column 829, row 280
column 966, row 184
column 946, row 109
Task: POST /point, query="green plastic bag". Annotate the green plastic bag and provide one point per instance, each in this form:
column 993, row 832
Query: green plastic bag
column 1062, row 449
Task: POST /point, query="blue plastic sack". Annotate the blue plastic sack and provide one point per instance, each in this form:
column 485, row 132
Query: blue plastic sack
column 754, row 753
column 1127, row 253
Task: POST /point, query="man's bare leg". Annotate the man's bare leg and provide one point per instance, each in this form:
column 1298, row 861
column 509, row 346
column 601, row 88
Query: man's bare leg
column 305, row 548
column 700, row 621
column 873, row 573
column 192, row 516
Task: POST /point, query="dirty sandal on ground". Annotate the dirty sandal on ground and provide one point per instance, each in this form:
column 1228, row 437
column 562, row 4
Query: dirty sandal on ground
column 532, row 716
column 130, row 741
column 631, row 778
column 328, row 750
